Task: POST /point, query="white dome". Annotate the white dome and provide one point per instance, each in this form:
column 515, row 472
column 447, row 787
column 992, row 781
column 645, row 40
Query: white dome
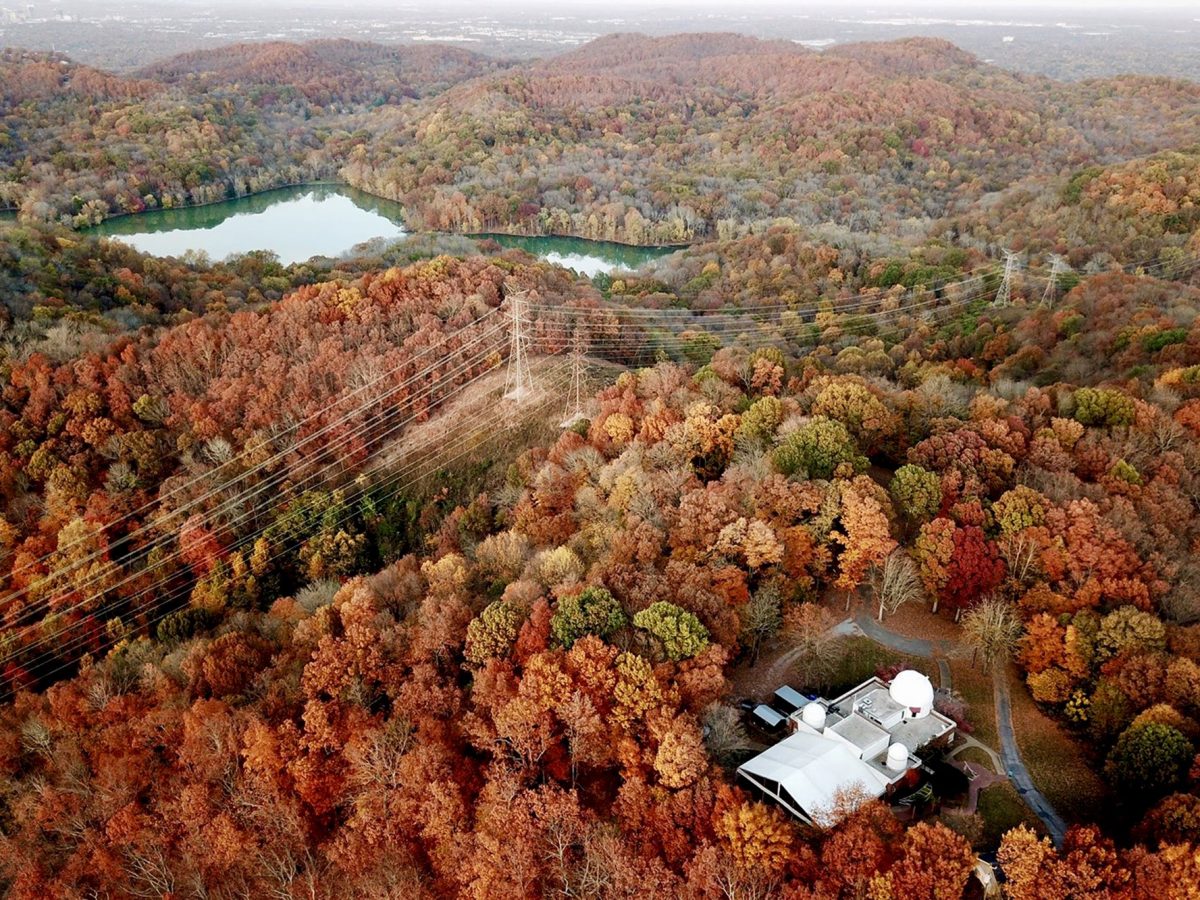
column 897, row 757
column 912, row 690
column 813, row 715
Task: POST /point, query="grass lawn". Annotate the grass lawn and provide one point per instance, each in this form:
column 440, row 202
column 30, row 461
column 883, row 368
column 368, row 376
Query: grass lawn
column 862, row 657
column 975, row 687
column 976, row 758
column 1058, row 763
column 1001, row 808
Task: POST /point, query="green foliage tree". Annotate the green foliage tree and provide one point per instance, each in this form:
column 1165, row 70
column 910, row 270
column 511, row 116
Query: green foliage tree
column 917, row 492
column 1149, row 760
column 1103, row 406
column 592, row 611
column 761, row 419
column 681, row 633
column 817, row 450
column 182, row 624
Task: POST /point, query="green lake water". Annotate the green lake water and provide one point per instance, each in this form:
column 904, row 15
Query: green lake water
column 328, row 220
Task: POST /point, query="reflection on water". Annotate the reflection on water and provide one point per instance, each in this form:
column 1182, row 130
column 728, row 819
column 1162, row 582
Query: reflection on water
column 327, row 220
column 293, row 223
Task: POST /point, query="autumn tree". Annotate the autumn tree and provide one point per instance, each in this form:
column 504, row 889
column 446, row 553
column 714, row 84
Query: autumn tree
column 493, row 631
column 916, row 492
column 934, row 864
column 865, row 535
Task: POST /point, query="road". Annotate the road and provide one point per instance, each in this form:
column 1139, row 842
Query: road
column 1010, row 754
column 1014, row 766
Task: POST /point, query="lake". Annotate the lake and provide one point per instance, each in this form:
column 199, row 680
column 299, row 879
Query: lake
column 327, row 220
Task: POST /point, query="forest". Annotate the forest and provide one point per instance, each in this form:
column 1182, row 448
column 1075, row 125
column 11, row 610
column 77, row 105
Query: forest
column 294, row 604
column 630, row 138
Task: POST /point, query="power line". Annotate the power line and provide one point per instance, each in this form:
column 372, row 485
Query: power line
column 246, row 540
column 731, row 328
column 275, row 480
column 395, row 482
column 275, row 458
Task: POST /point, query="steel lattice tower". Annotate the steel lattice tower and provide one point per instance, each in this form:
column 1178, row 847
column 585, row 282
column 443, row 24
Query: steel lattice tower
column 1057, row 266
column 1004, row 295
column 575, row 396
column 518, row 383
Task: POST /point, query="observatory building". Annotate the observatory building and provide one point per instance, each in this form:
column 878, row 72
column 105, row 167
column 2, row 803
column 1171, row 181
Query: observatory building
column 862, row 745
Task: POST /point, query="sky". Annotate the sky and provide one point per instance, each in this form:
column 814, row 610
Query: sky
column 789, row 6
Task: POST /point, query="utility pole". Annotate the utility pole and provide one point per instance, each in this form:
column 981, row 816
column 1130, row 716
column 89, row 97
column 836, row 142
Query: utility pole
column 518, row 383
column 576, row 393
column 1057, row 267
column 1004, row 295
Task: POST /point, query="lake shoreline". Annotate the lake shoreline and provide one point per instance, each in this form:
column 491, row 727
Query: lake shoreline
column 301, row 221
column 117, row 217
column 482, row 235
column 474, row 235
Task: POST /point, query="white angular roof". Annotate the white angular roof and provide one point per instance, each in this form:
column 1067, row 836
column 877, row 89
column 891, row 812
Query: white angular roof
column 813, row 769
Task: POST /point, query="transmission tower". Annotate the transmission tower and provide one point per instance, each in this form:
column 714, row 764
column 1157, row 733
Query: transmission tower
column 1057, row 266
column 575, row 397
column 518, row 383
column 1004, row 295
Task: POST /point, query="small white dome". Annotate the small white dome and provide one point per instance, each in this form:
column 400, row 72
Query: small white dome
column 897, row 757
column 813, row 715
column 912, row 690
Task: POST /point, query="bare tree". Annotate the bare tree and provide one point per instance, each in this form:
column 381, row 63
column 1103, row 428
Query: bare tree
column 816, row 649
column 992, row 630
column 895, row 583
column 724, row 736
column 761, row 618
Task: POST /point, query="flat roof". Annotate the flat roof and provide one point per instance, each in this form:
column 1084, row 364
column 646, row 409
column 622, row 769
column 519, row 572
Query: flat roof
column 771, row 716
column 913, row 733
column 860, row 732
column 791, row 696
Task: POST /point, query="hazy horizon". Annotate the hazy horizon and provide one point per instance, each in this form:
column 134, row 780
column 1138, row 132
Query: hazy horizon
column 1067, row 40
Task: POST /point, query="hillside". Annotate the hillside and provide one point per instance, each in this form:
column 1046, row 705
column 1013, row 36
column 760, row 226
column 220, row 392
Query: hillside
column 325, row 70
column 78, row 145
column 669, row 139
column 438, row 570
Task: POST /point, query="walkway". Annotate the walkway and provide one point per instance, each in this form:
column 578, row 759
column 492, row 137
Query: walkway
column 1015, row 766
column 1009, row 759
